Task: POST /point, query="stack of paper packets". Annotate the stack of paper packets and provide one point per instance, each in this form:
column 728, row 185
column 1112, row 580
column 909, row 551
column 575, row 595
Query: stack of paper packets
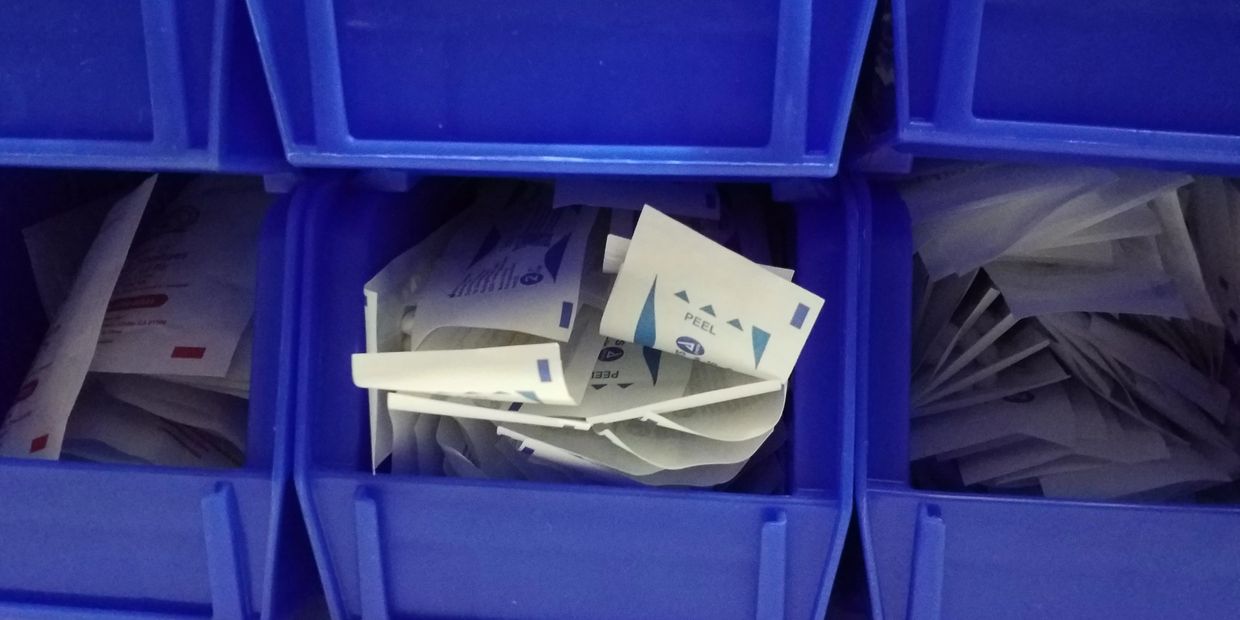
column 1069, row 331
column 583, row 334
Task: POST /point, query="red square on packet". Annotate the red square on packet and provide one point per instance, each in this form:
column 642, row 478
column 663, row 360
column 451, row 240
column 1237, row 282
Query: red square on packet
column 188, row 353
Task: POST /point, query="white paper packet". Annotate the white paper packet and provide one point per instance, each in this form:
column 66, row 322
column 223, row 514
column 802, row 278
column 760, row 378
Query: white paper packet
column 677, row 292
column 1045, row 414
column 186, row 295
column 1180, row 259
column 1135, row 284
column 489, row 318
column 1037, row 371
column 107, row 430
column 598, row 460
column 1127, row 189
column 221, row 414
column 35, row 424
column 1125, row 480
column 57, row 246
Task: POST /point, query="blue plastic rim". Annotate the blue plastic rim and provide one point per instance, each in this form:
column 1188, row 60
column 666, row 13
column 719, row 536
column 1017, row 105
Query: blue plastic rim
column 671, row 87
column 1144, row 82
column 94, row 541
column 134, row 84
column 407, row 546
column 959, row 556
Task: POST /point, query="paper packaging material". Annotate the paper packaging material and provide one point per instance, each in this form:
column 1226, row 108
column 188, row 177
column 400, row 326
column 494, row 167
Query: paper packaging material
column 104, row 429
column 1148, row 405
column 672, row 392
column 220, row 414
column 678, row 198
column 57, row 246
column 647, row 416
column 676, row 292
column 1043, row 414
column 186, row 294
column 35, row 425
column 492, row 311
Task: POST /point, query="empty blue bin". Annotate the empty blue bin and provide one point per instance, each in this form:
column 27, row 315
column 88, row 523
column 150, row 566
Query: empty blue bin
column 134, row 84
column 1114, row 81
column 427, row 547
column 961, row 556
column 99, row 541
column 681, row 87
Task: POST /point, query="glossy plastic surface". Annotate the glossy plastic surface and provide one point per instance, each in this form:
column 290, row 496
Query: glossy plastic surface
column 1127, row 82
column 407, row 546
column 94, row 541
column 932, row 555
column 135, row 85
column 683, row 87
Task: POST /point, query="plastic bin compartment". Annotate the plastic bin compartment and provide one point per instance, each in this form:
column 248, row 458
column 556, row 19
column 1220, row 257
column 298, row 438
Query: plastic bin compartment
column 134, row 84
column 932, row 554
column 688, row 87
column 1125, row 81
column 408, row 546
column 87, row 540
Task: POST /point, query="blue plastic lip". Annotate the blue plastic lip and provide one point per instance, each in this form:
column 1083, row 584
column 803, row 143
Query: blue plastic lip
column 956, row 132
column 169, row 147
column 492, row 158
column 306, row 474
column 785, row 156
column 868, row 488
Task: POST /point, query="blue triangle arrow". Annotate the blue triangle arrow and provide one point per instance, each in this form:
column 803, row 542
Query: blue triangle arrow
column 760, row 338
column 736, row 323
column 683, row 295
column 708, row 309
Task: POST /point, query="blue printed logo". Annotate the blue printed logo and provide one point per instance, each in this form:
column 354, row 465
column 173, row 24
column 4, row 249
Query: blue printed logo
column 690, row 346
column 610, row 354
column 531, row 278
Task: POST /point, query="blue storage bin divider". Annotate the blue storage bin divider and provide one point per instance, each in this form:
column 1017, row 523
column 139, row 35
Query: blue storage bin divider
column 1114, row 81
column 100, row 541
column 134, row 84
column 410, row 546
column 960, row 556
column 680, row 87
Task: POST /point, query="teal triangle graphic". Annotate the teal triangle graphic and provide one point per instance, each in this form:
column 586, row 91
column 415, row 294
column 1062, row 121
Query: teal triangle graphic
column 624, row 385
column 644, row 333
column 760, row 338
column 708, row 309
column 598, row 386
column 683, row 295
column 736, row 323
column 652, row 357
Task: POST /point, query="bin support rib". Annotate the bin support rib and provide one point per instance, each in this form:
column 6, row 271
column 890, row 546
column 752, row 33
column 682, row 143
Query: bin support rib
column 226, row 556
column 163, row 60
column 370, row 556
column 773, row 566
column 925, row 592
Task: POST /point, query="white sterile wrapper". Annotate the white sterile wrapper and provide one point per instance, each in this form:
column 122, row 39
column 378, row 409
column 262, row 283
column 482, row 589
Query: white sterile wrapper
column 35, row 424
column 676, row 292
column 186, row 296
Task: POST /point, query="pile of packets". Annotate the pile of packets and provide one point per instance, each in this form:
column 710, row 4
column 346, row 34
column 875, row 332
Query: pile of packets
column 147, row 357
column 577, row 333
column 1070, row 332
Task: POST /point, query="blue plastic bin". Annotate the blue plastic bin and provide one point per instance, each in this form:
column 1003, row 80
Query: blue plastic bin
column 1116, row 81
column 93, row 541
column 960, row 556
column 683, row 87
column 424, row 547
column 134, row 84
